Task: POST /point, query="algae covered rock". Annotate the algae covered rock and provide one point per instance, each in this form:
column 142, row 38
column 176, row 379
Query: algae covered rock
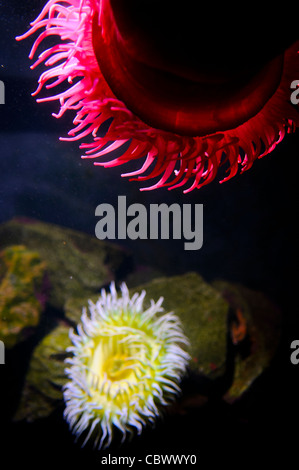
column 261, row 319
column 77, row 264
column 203, row 314
column 233, row 331
column 74, row 306
column 21, row 298
column 42, row 391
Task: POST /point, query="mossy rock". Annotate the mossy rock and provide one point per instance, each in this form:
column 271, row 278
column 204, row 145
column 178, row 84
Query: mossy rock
column 77, row 264
column 263, row 324
column 203, row 314
column 73, row 308
column 42, row 391
column 205, row 311
column 21, row 298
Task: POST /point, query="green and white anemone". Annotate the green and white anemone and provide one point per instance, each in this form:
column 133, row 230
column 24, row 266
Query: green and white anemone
column 126, row 365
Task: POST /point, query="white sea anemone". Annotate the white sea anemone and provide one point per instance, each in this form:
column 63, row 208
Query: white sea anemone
column 127, row 363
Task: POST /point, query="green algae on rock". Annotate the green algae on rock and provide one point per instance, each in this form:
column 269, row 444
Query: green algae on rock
column 263, row 324
column 21, row 278
column 42, row 391
column 77, row 263
column 73, row 308
column 203, row 313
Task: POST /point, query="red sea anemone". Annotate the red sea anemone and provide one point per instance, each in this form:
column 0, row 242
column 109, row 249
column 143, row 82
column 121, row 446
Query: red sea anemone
column 183, row 113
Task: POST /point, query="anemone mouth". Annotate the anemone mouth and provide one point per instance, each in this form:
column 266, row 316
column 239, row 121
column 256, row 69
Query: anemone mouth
column 114, row 359
column 177, row 98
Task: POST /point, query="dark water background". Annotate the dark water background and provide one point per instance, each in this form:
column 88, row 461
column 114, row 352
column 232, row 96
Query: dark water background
column 250, row 236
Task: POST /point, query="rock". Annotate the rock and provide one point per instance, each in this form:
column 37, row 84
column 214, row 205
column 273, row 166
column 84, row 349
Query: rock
column 225, row 360
column 42, row 391
column 143, row 274
column 203, row 314
column 21, row 293
column 73, row 308
column 77, row 264
column 263, row 325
